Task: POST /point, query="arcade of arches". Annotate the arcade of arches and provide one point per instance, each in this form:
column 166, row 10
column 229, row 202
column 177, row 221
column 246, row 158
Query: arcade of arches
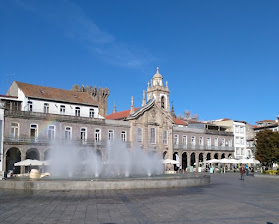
column 188, row 159
column 17, row 154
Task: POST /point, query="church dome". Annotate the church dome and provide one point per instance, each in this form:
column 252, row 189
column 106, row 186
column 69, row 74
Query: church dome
column 157, row 75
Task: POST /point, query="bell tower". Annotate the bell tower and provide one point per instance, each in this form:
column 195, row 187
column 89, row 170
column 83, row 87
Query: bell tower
column 158, row 91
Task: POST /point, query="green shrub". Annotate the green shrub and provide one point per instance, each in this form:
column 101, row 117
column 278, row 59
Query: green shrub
column 272, row 172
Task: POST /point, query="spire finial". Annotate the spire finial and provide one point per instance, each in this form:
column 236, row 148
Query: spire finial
column 157, row 70
column 114, row 108
column 132, row 105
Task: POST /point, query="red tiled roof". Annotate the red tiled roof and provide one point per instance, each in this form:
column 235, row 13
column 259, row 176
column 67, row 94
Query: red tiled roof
column 119, row 115
column 49, row 93
column 266, row 121
column 8, row 96
column 178, row 121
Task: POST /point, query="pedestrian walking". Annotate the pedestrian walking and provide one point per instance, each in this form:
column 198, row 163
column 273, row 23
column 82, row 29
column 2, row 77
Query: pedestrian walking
column 242, row 172
column 247, row 170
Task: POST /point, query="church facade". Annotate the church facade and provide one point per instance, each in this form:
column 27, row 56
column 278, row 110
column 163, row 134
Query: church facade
column 32, row 116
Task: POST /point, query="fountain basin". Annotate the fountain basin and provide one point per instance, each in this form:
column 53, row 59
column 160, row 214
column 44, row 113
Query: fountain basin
column 164, row 181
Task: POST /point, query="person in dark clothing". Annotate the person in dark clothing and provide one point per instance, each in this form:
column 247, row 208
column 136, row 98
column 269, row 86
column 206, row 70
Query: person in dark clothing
column 242, row 172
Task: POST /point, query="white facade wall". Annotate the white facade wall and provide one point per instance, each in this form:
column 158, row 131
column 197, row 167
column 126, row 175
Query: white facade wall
column 54, row 107
column 1, row 137
column 239, row 130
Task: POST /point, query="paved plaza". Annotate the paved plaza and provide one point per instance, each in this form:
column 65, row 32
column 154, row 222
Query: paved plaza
column 226, row 200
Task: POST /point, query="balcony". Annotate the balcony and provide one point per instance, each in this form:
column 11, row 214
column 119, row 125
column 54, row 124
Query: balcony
column 43, row 141
column 202, row 147
column 217, row 132
column 57, row 117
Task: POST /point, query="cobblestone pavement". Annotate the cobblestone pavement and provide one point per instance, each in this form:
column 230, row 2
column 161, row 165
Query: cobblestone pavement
column 226, row 200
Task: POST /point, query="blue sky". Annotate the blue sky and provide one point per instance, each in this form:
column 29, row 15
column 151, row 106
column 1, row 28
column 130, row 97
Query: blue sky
column 220, row 58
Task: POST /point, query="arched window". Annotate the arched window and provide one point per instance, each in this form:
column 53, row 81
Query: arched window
column 83, row 135
column 139, row 135
column 46, row 108
column 50, row 132
column 91, row 113
column 165, row 137
column 163, row 102
column 68, row 133
column 97, row 135
column 77, row 111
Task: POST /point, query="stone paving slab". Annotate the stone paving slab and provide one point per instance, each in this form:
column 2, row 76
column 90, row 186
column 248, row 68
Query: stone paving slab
column 226, row 200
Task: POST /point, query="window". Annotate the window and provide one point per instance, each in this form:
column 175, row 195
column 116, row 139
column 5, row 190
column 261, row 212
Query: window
column 14, row 130
column 62, row 109
column 123, row 136
column 242, row 151
column 83, row 135
column 110, row 135
column 176, row 140
column 215, row 141
column 237, row 140
column 139, row 138
column 50, row 132
column 184, row 140
column 236, row 129
column 152, row 136
column 97, row 135
column 241, row 129
column 242, row 141
column 91, row 113
column 68, row 133
column 77, row 111
column 237, row 151
column 193, row 140
column 208, row 141
column 33, row 131
column 201, row 140
column 165, row 137
column 223, row 142
column 30, row 106
column 46, row 108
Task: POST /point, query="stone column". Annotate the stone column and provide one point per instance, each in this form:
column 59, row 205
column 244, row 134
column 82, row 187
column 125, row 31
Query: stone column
column 197, row 160
column 188, row 161
column 23, row 157
column 204, row 159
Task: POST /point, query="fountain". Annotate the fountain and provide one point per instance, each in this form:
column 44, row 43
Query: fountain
column 68, row 161
column 78, row 167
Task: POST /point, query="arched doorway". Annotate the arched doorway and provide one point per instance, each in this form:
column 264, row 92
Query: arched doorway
column 208, row 156
column 216, row 156
column 13, row 156
column 184, row 161
column 223, row 156
column 33, row 153
column 201, row 157
column 164, row 155
column 193, row 158
column 47, row 154
column 99, row 154
column 175, row 157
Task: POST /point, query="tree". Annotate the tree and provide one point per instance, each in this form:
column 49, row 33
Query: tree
column 267, row 146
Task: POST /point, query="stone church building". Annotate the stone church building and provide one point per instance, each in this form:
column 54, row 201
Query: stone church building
column 32, row 116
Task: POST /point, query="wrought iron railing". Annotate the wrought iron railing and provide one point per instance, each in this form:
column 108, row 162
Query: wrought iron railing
column 202, row 147
column 19, row 141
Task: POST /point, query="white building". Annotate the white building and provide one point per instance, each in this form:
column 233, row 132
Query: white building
column 43, row 99
column 239, row 130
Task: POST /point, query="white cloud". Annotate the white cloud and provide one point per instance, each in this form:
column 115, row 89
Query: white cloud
column 75, row 24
